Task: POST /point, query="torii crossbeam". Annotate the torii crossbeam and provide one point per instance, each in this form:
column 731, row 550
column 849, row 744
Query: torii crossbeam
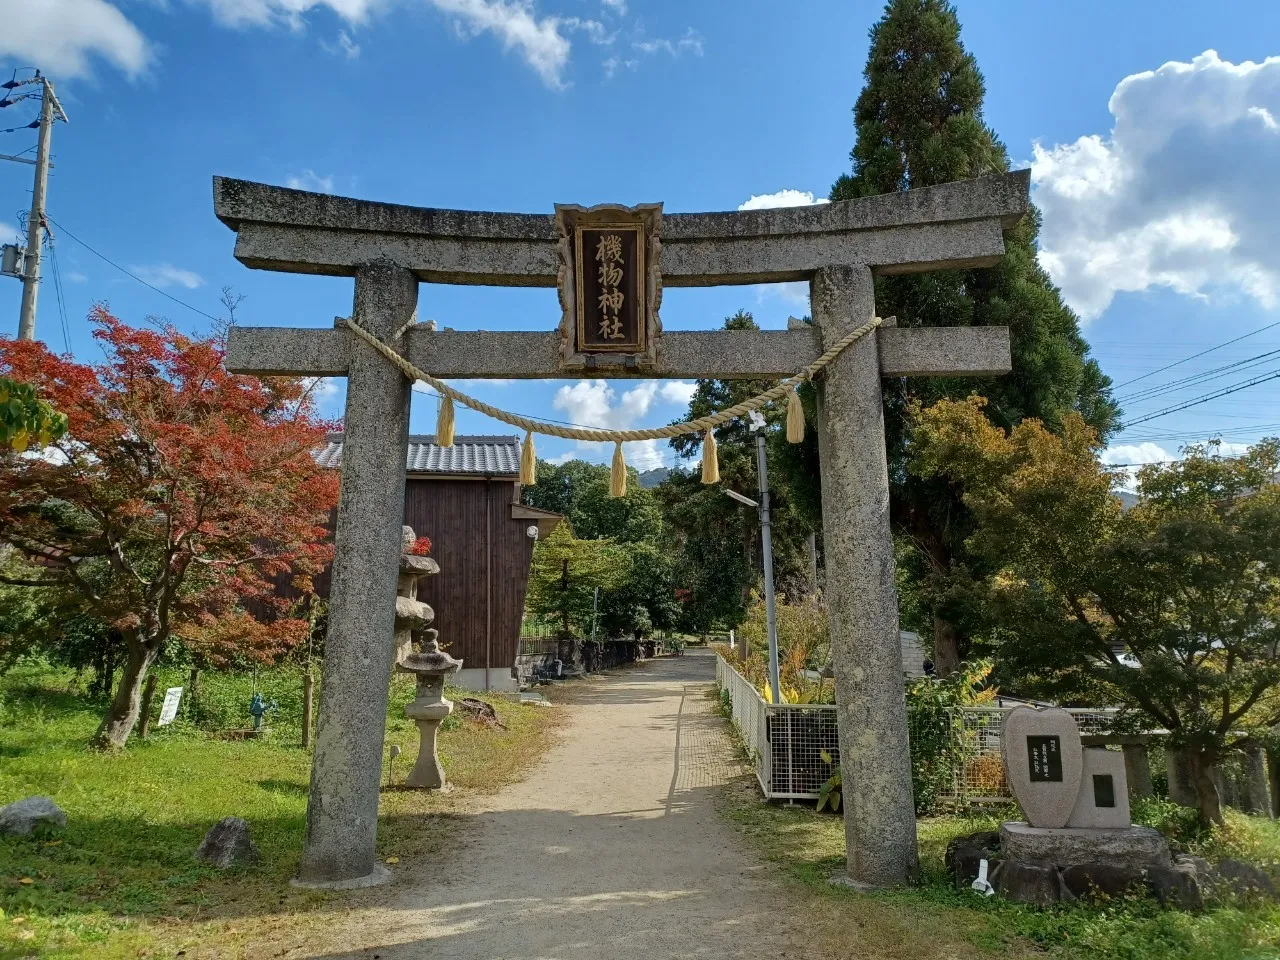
column 837, row 247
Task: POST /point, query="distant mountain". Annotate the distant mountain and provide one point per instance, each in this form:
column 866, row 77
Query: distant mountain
column 651, row 478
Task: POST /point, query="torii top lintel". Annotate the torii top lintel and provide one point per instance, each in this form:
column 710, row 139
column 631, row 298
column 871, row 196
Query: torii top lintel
column 953, row 225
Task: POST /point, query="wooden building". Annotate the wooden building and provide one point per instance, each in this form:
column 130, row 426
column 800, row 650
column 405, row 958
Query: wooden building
column 466, row 498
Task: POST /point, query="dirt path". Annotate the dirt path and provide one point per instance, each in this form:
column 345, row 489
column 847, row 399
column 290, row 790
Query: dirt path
column 611, row 848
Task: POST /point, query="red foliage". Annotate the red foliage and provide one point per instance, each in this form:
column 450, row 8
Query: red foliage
column 178, row 492
column 421, row 547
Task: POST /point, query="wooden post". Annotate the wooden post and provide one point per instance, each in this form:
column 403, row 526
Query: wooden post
column 148, row 696
column 308, row 684
column 1273, row 779
column 193, row 685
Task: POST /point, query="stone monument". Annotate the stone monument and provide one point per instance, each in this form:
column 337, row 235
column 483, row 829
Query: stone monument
column 1077, row 834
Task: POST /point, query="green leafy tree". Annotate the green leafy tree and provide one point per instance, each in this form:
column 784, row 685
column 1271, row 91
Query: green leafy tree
column 717, row 540
column 919, row 123
column 560, row 486
column 564, row 576
column 634, row 518
column 25, row 418
column 1170, row 609
column 644, row 598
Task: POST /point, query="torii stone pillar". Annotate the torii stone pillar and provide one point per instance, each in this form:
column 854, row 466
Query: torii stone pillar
column 952, row 226
column 862, row 597
column 346, row 768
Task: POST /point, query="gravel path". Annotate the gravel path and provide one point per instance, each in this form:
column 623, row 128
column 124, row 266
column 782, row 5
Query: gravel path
column 611, row 848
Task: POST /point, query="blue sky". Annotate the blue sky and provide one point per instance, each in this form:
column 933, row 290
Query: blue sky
column 1155, row 162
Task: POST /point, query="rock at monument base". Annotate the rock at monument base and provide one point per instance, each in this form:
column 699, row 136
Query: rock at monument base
column 1243, row 879
column 227, row 845
column 32, row 815
column 1030, row 881
column 1103, row 878
column 1133, row 846
column 1179, row 885
column 965, row 853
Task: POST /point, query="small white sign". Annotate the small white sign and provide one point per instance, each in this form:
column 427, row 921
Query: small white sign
column 169, row 710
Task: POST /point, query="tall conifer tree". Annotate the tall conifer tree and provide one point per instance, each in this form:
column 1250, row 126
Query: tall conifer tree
column 919, row 123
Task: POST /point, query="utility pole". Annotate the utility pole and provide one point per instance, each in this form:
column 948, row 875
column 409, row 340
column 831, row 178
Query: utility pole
column 50, row 110
column 766, row 536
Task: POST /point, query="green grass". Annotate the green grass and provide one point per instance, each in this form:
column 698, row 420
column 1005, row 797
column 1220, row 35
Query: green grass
column 935, row 920
column 122, row 881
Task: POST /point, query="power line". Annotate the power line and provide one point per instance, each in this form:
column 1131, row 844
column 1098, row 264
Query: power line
column 1197, row 378
column 133, row 276
column 1234, row 388
column 62, row 301
column 1178, row 363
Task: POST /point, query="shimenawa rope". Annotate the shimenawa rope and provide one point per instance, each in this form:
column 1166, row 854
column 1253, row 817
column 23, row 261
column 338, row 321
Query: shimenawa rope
column 704, row 425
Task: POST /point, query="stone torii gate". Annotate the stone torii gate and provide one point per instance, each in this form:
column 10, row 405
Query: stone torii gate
column 837, row 248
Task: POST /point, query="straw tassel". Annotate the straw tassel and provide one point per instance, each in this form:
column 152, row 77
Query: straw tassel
column 618, row 474
column 795, row 418
column 444, row 423
column 710, row 458
column 528, row 461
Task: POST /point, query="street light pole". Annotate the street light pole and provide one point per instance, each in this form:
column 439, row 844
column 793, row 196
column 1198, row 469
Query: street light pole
column 766, row 538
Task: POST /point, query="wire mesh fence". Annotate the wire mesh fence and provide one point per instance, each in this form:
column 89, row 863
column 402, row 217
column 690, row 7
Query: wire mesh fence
column 955, row 752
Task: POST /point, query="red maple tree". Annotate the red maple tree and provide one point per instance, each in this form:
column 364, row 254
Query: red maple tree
column 178, row 493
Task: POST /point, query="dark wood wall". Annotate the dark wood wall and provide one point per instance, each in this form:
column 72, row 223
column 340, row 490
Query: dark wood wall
column 452, row 512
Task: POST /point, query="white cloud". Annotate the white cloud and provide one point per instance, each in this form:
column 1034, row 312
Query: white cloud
column 345, row 46
column 1127, row 453
column 63, row 36
column 75, row 276
column 617, row 7
column 614, row 64
column 167, row 275
column 690, row 42
column 8, row 232
column 1181, row 195
column 596, row 31
column 782, row 198
column 514, row 22
column 1134, row 455
column 309, row 180
column 797, row 292
column 594, row 403
column 262, row 13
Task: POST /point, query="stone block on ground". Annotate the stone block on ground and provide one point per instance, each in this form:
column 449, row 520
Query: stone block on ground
column 1135, row 846
column 31, row 815
column 965, row 853
column 1103, row 877
column 227, row 844
column 1243, row 879
column 1030, row 881
column 1179, row 885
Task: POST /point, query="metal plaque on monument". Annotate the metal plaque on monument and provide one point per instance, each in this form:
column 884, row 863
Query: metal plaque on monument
column 610, row 285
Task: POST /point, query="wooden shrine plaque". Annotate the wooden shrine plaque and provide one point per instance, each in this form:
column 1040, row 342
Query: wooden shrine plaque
column 610, row 285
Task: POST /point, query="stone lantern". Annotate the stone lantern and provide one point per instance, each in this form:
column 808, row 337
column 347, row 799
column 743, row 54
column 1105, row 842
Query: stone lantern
column 429, row 665
column 411, row 613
